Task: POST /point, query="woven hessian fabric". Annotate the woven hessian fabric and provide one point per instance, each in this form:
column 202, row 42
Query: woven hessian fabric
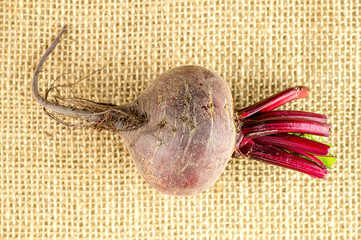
column 62, row 183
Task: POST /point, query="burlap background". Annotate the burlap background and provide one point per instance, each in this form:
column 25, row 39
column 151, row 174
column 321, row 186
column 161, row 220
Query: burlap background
column 68, row 184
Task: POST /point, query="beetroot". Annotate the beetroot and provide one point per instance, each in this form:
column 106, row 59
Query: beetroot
column 182, row 130
column 189, row 136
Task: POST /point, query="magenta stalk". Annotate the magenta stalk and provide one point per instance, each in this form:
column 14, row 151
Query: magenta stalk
column 264, row 134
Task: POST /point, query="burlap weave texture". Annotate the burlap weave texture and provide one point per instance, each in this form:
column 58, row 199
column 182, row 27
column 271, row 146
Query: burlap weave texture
column 59, row 183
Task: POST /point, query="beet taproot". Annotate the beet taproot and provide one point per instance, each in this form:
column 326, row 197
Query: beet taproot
column 182, row 130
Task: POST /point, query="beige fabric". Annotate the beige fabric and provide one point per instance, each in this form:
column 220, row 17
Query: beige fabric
column 67, row 184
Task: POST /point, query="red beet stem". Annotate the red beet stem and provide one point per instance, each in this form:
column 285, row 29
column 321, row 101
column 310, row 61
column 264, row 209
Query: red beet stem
column 285, row 126
column 286, row 114
column 280, row 158
column 243, row 148
column 274, row 101
column 293, row 143
column 310, row 156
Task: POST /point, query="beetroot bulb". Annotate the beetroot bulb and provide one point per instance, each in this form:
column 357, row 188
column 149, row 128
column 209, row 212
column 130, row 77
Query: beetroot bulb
column 182, row 130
